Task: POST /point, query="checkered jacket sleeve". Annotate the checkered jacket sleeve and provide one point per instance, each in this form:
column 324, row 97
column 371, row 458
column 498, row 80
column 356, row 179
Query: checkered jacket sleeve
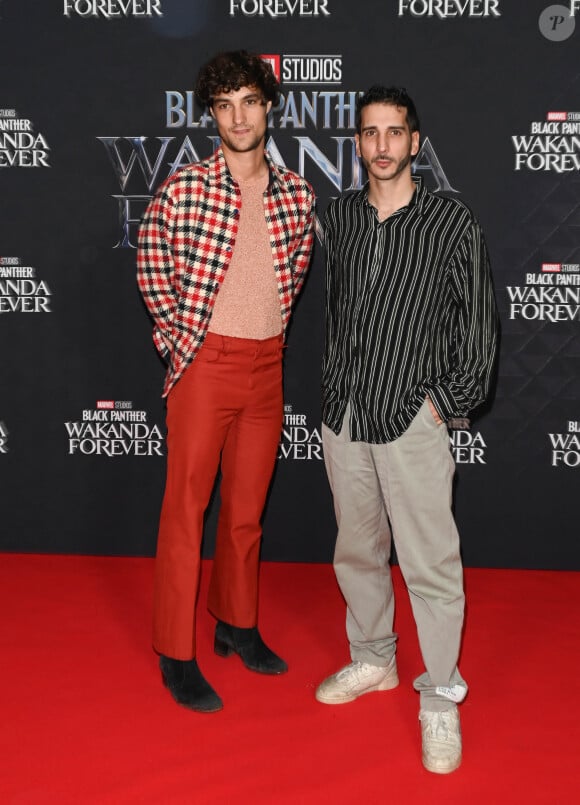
column 156, row 266
column 304, row 242
column 290, row 218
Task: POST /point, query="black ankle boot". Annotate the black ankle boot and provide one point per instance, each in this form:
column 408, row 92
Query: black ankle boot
column 188, row 686
column 254, row 653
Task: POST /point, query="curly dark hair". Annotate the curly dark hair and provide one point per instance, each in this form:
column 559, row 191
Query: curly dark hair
column 394, row 96
column 230, row 71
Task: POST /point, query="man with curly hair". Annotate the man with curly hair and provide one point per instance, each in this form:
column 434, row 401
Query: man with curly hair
column 223, row 250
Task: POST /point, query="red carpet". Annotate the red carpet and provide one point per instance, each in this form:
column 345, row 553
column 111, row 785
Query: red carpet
column 85, row 718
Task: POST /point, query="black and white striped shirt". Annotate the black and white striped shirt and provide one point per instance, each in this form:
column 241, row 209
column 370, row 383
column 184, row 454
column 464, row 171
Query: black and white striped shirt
column 410, row 312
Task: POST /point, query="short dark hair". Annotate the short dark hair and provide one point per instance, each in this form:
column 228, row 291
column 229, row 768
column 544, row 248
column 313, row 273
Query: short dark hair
column 228, row 72
column 394, row 96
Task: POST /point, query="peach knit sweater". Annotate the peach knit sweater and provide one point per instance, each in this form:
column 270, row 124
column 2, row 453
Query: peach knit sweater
column 248, row 303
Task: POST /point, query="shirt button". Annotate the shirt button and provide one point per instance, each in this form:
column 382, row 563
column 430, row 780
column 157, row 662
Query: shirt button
column 236, row 213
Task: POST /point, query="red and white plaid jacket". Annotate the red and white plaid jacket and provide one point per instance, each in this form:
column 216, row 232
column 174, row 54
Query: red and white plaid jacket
column 186, row 241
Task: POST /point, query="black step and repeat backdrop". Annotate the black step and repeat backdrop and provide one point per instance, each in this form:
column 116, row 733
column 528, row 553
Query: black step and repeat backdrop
column 96, row 109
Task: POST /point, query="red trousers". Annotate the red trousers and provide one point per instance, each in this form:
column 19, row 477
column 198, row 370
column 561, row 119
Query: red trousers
column 228, row 406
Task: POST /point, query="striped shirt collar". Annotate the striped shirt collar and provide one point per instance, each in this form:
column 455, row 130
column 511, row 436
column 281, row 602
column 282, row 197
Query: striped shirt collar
column 417, row 200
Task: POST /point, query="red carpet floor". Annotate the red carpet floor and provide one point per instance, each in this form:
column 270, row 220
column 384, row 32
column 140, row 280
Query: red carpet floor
column 84, row 717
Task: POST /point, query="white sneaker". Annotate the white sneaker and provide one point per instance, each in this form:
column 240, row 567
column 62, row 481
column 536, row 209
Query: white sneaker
column 355, row 679
column 441, row 734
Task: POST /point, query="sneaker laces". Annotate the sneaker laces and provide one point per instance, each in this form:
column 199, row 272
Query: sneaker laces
column 440, row 726
column 359, row 669
column 352, row 669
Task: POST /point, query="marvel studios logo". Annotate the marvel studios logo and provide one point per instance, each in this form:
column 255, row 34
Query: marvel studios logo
column 564, row 268
column 114, row 405
column 293, row 68
column 562, row 117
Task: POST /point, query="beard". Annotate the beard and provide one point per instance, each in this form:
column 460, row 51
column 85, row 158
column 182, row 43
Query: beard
column 397, row 166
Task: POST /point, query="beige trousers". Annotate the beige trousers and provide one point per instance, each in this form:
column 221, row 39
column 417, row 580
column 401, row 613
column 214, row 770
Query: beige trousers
column 400, row 491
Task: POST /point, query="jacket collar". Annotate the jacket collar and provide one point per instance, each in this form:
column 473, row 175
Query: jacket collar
column 219, row 174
